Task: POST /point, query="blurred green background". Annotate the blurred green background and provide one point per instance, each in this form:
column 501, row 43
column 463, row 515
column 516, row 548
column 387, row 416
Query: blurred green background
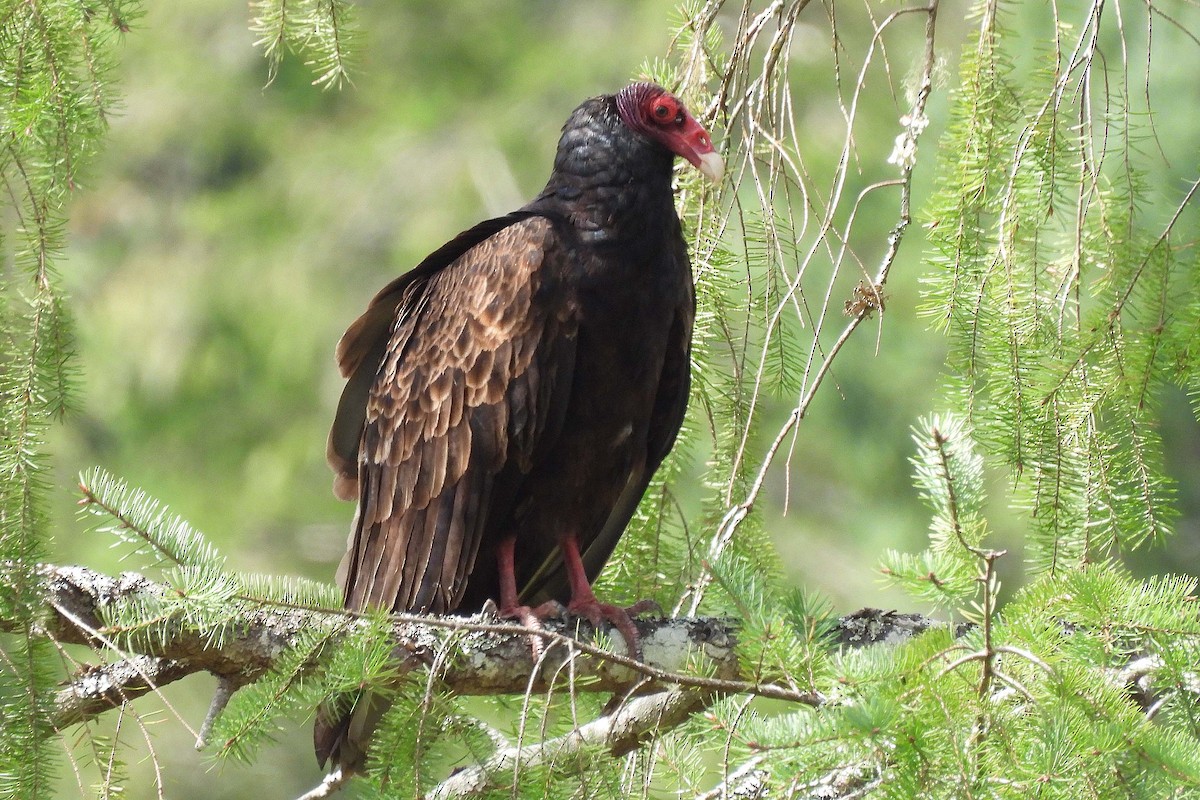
column 232, row 229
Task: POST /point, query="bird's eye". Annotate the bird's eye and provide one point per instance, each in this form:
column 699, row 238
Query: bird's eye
column 661, row 111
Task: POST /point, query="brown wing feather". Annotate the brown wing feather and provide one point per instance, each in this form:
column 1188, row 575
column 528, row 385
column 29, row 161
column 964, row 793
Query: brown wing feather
column 361, row 348
column 454, row 400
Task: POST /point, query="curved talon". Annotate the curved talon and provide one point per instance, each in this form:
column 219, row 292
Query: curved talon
column 528, row 617
column 532, row 617
column 646, row 606
column 596, row 612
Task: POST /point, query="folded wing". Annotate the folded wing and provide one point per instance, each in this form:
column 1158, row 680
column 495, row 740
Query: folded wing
column 469, row 376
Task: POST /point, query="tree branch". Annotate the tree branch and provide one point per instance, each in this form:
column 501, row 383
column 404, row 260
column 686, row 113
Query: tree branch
column 624, row 729
column 620, row 731
column 495, row 658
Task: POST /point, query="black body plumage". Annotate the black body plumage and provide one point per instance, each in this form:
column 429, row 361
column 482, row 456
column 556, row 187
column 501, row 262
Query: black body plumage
column 522, row 383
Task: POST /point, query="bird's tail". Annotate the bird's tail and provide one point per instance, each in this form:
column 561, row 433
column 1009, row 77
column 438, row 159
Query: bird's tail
column 343, row 730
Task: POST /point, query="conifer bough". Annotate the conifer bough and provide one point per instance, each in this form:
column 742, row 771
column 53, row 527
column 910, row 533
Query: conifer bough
column 493, row 658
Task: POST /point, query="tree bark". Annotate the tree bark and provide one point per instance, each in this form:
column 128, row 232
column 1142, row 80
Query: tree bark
column 495, row 657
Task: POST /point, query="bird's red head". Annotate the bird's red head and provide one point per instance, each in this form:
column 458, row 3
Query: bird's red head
column 659, row 115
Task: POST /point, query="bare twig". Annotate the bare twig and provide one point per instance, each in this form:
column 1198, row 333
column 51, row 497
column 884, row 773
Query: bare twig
column 904, row 157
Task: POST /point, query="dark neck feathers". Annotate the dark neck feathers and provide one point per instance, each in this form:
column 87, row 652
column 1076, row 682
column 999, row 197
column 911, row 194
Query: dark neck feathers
column 612, row 183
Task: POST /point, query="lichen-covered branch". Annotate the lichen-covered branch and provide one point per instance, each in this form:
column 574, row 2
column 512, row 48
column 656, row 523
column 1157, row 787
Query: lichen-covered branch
column 495, row 658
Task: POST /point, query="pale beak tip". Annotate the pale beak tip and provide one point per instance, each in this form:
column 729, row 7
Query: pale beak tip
column 711, row 166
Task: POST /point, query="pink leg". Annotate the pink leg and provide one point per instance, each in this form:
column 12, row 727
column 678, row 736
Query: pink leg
column 511, row 606
column 508, row 575
column 583, row 599
column 584, row 602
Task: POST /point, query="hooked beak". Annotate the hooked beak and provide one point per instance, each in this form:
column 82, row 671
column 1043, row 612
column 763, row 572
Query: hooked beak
column 711, row 166
column 696, row 146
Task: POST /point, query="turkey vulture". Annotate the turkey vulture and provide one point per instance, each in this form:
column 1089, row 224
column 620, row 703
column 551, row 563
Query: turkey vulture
column 508, row 400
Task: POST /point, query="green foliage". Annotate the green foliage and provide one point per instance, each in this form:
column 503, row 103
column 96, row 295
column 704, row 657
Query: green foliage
column 422, row 730
column 146, row 525
column 1067, row 311
column 783, row 636
column 1067, row 294
column 920, row 719
column 202, row 592
column 292, row 688
column 949, row 476
column 54, row 60
column 322, row 31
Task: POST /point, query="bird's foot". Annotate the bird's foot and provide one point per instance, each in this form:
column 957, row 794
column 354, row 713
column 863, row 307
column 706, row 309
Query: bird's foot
column 531, row 617
column 596, row 613
column 592, row 610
